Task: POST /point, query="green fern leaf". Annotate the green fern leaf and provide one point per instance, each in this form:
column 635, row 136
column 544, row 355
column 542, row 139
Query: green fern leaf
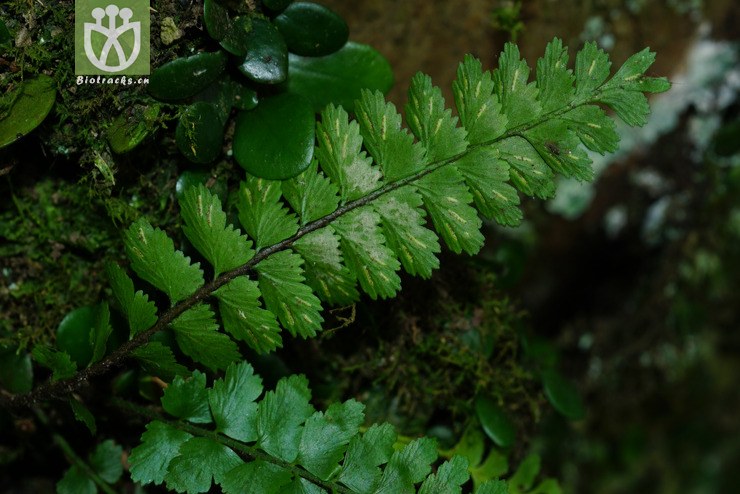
column 339, row 150
column 187, row 399
column 450, row 477
column 325, row 438
column 282, row 284
column 262, row 214
column 479, row 109
column 324, row 269
column 158, row 359
column 281, row 415
column 596, row 131
column 205, row 226
column 448, row 200
column 529, row 173
column 244, row 318
column 139, row 311
column 200, row 460
column 592, row 69
column 431, row 122
column 366, row 254
column 408, row 467
column 486, row 176
column 198, row 337
column 160, row 444
column 60, row 363
column 631, row 106
column 365, row 454
column 100, row 332
column 403, row 225
column 558, row 147
column 493, row 487
column 232, row 402
column 257, row 477
column 554, row 79
column 154, row 259
column 311, row 194
column 518, row 97
column 390, row 145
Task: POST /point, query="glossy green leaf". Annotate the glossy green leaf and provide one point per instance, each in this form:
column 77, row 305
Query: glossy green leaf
column 129, row 129
column 16, row 371
column 216, row 19
column 563, row 395
column 199, row 134
column 23, row 109
column 73, row 334
column 339, row 78
column 312, row 30
column 160, row 443
column 495, row 422
column 187, row 399
column 265, row 54
column 186, row 77
column 275, row 140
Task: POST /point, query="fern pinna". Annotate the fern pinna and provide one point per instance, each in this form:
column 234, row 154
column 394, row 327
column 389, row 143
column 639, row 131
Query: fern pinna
column 376, row 198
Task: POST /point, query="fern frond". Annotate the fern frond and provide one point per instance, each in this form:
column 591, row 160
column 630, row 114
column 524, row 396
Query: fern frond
column 377, row 198
column 280, row 443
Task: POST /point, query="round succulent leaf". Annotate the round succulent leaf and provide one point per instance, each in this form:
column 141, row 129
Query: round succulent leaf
column 200, row 133
column 312, row 30
column 563, row 395
column 495, row 422
column 338, row 78
column 275, row 140
column 73, row 334
column 226, row 94
column 216, row 18
column 23, row 109
column 266, row 60
column 129, row 129
column 276, row 5
column 187, row 76
column 236, row 39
